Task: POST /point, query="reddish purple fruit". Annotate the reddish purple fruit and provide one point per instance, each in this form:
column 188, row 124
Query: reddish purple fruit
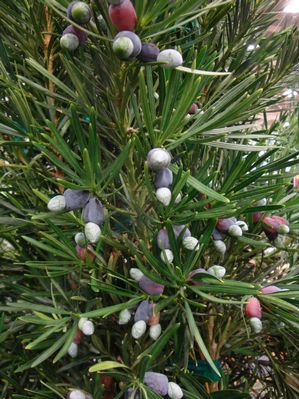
column 271, row 225
column 253, row 308
column 157, row 382
column 193, row 109
column 123, row 16
column 149, row 52
column 271, row 289
column 82, row 36
column 150, row 287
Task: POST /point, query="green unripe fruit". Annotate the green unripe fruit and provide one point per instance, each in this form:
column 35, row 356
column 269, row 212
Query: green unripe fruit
column 123, row 47
column 81, row 13
column 69, row 42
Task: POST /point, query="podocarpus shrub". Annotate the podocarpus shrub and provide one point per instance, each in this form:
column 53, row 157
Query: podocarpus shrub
column 148, row 227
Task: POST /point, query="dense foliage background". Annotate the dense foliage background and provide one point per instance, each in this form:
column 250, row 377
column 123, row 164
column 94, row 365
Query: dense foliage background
column 86, row 120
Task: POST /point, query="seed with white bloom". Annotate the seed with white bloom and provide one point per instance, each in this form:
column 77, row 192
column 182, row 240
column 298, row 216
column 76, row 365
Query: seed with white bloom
column 124, row 317
column 235, row 231
column 138, row 329
column 57, row 203
column 243, row 225
column 155, row 331
column 217, row 271
column 80, row 239
column 220, row 246
column 136, row 274
column 178, row 199
column 174, row 391
column 158, row 158
column 81, row 322
column 167, row 256
column 256, row 324
column 191, row 243
column 87, row 327
column 164, row 195
column 76, row 394
column 92, row 232
column 73, row 350
column 172, row 57
column 261, row 202
column 283, row 229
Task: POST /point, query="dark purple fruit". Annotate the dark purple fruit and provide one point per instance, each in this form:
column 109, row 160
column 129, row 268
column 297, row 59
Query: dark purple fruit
column 93, row 212
column 149, row 52
column 157, row 382
column 75, row 199
column 163, row 178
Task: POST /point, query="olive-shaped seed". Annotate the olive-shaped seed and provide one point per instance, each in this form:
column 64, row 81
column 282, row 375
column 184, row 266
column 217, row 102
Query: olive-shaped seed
column 56, row 204
column 256, row 324
column 164, row 195
column 174, row 391
column 80, row 12
column 76, row 394
column 155, row 331
column 158, row 158
column 172, row 58
column 73, row 350
column 69, row 41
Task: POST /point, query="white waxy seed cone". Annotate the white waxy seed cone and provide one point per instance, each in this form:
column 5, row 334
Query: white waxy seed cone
column 164, row 195
column 167, row 256
column 57, row 203
column 92, row 232
column 174, row 391
column 191, row 243
column 155, row 331
column 136, row 274
column 73, row 350
column 138, row 329
column 124, row 317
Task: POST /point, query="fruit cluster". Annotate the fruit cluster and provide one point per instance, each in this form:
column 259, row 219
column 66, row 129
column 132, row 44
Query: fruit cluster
column 158, row 383
column 126, row 45
column 86, row 327
column 92, row 215
column 144, row 315
column 72, row 37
